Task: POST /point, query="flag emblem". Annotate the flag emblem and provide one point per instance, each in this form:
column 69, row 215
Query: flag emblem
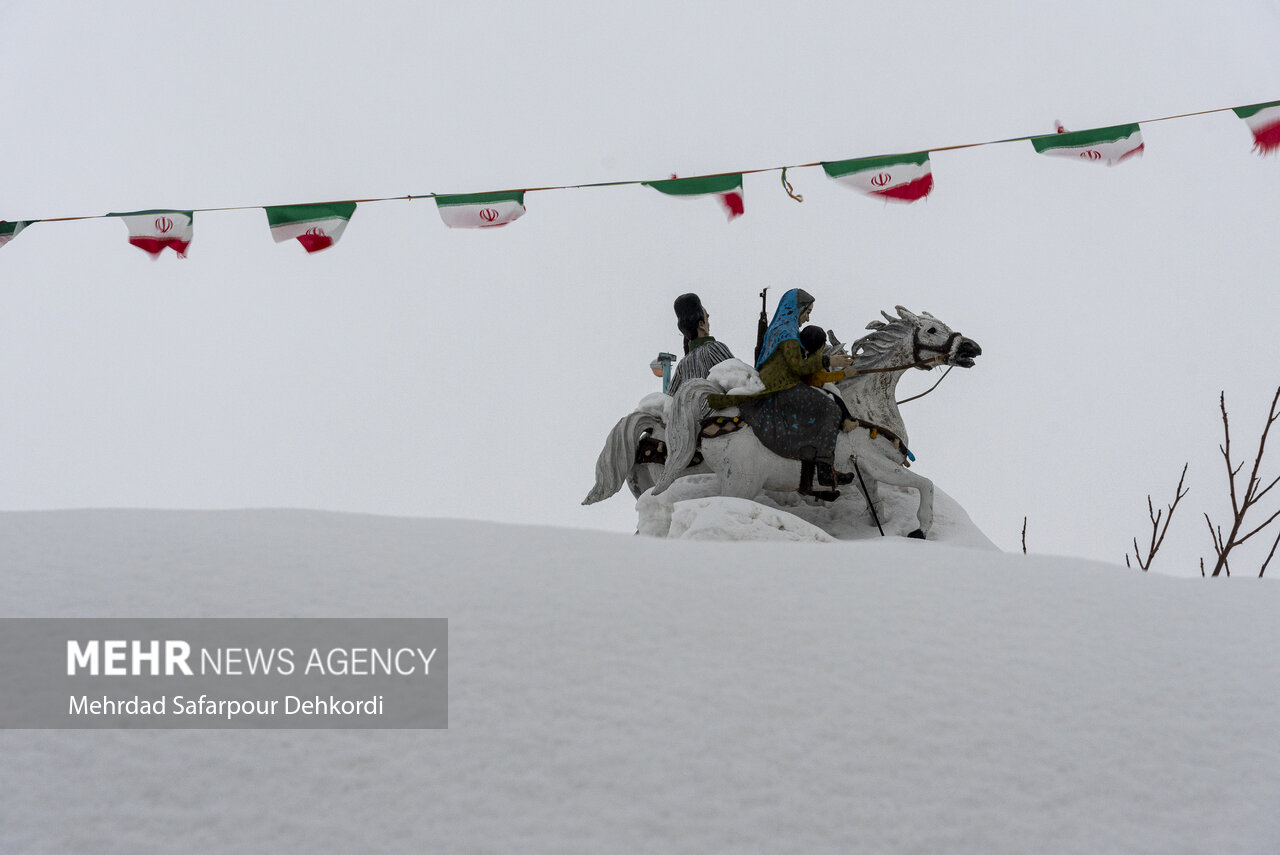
column 481, row 210
column 316, row 227
column 897, row 177
column 154, row 231
column 1106, row 145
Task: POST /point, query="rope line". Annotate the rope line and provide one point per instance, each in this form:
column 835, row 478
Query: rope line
column 591, row 185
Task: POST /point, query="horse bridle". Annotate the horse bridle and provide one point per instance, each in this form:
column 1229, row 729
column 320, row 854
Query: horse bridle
column 918, row 348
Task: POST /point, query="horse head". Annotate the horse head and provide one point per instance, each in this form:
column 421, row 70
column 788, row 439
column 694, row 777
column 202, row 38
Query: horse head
column 922, row 340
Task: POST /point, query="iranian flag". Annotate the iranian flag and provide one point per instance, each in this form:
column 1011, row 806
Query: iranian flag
column 896, row 177
column 152, row 231
column 480, row 210
column 1264, row 121
column 728, row 188
column 1100, row 145
column 9, row 231
column 316, row 227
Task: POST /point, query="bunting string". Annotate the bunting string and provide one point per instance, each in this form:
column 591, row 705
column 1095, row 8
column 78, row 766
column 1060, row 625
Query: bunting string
column 905, row 177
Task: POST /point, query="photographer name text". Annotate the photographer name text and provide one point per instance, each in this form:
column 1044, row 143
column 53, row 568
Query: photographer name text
column 228, row 708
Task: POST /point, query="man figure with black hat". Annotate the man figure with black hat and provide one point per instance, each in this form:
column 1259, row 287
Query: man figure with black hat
column 702, row 352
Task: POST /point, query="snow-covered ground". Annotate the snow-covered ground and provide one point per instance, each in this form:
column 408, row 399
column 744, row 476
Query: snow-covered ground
column 618, row 693
column 691, row 509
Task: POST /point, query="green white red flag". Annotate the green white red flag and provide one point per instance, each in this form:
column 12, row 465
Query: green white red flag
column 895, row 177
column 480, row 210
column 728, row 188
column 1264, row 121
column 152, row 231
column 1099, row 145
column 316, row 227
column 9, row 231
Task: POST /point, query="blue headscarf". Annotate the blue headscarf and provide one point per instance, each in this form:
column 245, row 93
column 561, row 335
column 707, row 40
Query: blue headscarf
column 785, row 325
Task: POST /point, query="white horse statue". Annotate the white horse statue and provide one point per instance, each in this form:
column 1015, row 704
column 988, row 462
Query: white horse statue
column 878, row 447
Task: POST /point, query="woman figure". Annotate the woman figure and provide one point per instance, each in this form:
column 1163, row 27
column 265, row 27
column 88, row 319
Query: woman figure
column 790, row 417
column 702, row 352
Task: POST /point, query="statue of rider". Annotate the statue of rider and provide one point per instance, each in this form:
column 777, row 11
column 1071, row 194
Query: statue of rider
column 701, row 350
column 790, row 417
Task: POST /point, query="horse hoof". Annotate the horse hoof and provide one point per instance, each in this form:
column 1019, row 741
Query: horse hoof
column 918, row 534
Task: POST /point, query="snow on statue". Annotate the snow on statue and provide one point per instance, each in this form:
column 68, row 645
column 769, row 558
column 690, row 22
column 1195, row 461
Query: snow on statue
column 739, row 422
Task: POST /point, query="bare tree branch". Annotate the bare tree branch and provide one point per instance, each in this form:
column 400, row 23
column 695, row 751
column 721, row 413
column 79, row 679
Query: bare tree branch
column 1270, row 520
column 1253, row 493
column 1267, row 489
column 1270, row 555
column 1215, row 536
column 1158, row 533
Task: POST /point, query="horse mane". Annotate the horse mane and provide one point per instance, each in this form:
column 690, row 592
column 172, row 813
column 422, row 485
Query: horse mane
column 876, row 350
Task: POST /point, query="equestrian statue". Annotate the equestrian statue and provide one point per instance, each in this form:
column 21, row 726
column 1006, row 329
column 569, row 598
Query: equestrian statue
column 793, row 417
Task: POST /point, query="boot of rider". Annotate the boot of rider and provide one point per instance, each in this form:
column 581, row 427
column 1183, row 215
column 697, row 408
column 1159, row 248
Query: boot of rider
column 829, row 476
column 807, row 468
column 806, row 477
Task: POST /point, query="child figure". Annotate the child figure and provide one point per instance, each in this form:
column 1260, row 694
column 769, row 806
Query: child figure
column 813, row 340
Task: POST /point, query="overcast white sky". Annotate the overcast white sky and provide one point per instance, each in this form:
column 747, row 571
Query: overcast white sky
column 422, row 371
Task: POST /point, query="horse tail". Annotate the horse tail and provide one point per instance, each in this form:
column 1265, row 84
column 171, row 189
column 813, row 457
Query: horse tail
column 688, row 409
column 619, row 454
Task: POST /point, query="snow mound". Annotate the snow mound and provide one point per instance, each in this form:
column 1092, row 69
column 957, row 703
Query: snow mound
column 736, row 376
column 690, row 508
column 610, row 693
column 721, row 518
column 655, row 404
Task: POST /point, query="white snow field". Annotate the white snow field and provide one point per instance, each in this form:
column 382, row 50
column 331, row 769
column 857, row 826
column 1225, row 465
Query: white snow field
column 613, row 693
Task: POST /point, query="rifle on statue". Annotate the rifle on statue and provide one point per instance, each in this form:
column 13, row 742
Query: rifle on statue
column 763, row 324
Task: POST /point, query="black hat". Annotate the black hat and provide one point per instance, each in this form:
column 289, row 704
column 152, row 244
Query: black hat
column 689, row 313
